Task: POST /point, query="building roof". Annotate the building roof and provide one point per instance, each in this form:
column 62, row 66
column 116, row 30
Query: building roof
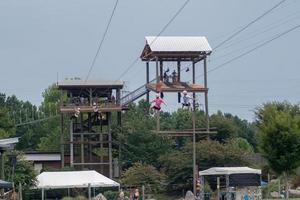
column 174, row 47
column 69, row 84
column 229, row 171
column 42, row 156
column 8, row 143
column 73, row 179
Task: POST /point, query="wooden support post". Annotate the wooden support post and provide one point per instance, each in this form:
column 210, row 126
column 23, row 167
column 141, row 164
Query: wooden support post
column 91, row 96
column 2, row 165
column 62, row 147
column 161, row 70
column 101, row 148
column 71, row 145
column 82, row 140
column 157, row 121
column 147, row 79
column 157, row 75
column 194, row 150
column 206, row 95
column 178, row 79
column 110, row 146
column 178, row 70
column 118, row 96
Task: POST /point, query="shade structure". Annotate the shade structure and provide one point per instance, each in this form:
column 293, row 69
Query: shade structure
column 237, row 176
column 5, row 184
column 229, row 171
column 73, row 179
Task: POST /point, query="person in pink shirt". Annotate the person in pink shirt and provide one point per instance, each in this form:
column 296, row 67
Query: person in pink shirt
column 157, row 102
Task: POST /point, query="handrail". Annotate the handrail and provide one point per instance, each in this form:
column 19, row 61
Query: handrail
column 134, row 95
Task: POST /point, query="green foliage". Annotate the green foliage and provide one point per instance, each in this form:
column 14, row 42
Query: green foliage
column 142, row 174
column 23, row 173
column 209, row 153
column 111, row 195
column 241, row 143
column 279, row 135
column 6, row 125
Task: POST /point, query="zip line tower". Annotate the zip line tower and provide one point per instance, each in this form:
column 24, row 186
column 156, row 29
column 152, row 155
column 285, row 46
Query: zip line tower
column 86, row 112
column 175, row 51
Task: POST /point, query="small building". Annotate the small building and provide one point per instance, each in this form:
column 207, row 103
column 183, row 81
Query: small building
column 43, row 160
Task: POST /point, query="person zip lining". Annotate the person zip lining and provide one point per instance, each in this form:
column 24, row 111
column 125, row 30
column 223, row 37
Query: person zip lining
column 157, row 102
column 186, row 100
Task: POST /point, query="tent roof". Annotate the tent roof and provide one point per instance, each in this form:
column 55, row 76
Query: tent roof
column 229, row 170
column 73, row 179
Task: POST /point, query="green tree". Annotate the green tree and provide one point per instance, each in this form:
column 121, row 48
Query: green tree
column 209, row 153
column 142, row 174
column 279, row 136
column 6, row 125
column 23, row 173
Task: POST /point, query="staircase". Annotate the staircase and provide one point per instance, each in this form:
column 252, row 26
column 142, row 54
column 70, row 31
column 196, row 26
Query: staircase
column 134, row 95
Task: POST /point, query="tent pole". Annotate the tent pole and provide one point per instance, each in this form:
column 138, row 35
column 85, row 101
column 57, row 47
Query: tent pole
column 89, row 191
column 43, row 194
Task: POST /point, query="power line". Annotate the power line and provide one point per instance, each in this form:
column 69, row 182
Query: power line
column 102, row 40
column 253, row 49
column 249, row 24
column 162, row 30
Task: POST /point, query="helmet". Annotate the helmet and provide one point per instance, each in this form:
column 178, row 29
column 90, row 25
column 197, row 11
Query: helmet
column 184, row 92
column 157, row 95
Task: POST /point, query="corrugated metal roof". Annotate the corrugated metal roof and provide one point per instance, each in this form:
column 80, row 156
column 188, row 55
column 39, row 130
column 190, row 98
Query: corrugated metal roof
column 42, row 157
column 102, row 83
column 8, row 143
column 178, row 43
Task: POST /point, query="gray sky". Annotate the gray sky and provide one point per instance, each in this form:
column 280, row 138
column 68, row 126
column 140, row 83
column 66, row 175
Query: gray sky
column 39, row 39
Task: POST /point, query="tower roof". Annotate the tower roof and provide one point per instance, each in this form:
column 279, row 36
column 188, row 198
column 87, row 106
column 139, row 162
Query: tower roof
column 172, row 48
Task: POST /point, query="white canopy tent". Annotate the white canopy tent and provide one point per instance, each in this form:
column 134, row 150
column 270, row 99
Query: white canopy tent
column 73, row 179
column 236, row 179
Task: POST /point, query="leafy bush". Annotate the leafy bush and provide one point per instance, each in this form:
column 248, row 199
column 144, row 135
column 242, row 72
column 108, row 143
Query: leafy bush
column 111, row 195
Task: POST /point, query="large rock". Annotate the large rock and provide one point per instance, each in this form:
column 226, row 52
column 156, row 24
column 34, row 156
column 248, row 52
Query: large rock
column 189, row 196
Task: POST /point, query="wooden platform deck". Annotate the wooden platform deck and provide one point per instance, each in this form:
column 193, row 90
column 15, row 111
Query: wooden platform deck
column 176, row 87
column 89, row 109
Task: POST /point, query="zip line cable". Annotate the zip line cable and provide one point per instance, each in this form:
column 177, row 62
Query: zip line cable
column 249, row 24
column 163, row 29
column 251, row 50
column 102, row 40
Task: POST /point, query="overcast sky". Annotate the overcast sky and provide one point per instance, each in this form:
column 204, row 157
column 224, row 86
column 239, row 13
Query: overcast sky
column 40, row 39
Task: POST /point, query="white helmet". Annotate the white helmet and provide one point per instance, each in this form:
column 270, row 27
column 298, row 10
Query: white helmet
column 184, row 92
column 157, row 95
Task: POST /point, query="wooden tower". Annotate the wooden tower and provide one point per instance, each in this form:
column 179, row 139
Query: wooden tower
column 87, row 107
column 176, row 51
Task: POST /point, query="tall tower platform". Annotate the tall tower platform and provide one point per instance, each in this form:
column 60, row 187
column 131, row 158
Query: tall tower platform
column 86, row 118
